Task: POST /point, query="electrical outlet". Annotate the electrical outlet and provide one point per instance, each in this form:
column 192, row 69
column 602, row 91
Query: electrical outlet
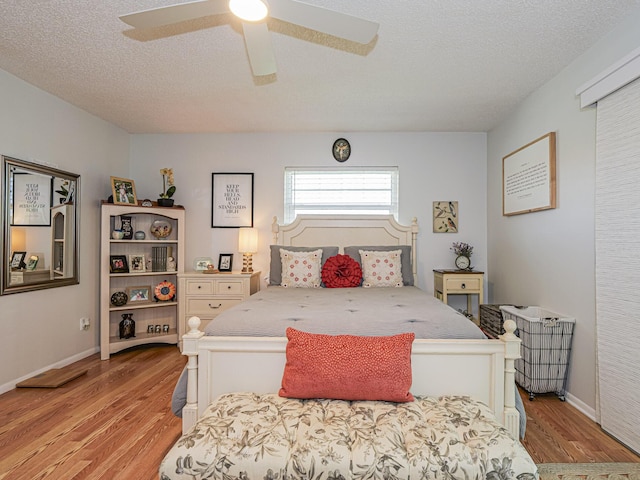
column 85, row 323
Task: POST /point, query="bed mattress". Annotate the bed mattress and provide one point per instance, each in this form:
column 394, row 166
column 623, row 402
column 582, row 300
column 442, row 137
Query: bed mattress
column 343, row 311
column 254, row 437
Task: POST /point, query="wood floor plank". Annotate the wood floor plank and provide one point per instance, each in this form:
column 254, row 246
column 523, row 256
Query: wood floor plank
column 115, row 423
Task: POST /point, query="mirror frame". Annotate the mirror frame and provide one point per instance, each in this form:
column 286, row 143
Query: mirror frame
column 8, row 163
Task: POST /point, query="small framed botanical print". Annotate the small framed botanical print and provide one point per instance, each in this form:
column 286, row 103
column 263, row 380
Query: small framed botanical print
column 445, row 217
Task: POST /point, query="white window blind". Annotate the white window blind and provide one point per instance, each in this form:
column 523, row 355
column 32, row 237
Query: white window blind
column 348, row 191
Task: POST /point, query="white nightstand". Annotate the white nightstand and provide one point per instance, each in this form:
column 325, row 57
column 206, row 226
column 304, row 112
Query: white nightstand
column 206, row 295
column 459, row 282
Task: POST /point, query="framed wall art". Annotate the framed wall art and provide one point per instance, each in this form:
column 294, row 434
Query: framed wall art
column 124, row 191
column 231, row 200
column 31, row 199
column 529, row 177
column 445, row 217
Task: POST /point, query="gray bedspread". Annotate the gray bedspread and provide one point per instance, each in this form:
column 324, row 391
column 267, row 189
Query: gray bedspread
column 343, row 311
column 337, row 311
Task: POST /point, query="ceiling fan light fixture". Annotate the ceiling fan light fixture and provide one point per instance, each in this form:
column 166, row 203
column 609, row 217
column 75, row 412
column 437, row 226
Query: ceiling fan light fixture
column 249, row 10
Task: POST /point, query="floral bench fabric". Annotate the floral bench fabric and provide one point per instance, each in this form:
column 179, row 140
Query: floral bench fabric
column 246, row 436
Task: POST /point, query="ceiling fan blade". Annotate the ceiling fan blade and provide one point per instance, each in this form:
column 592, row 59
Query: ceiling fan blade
column 157, row 17
column 323, row 20
column 258, row 42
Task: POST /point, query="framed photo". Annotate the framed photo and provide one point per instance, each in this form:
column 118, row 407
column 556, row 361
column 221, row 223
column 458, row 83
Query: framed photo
column 225, row 262
column 231, row 200
column 124, row 191
column 445, row 217
column 118, row 264
column 136, row 263
column 201, row 264
column 31, row 199
column 529, row 177
column 17, row 260
column 139, row 295
column 32, row 263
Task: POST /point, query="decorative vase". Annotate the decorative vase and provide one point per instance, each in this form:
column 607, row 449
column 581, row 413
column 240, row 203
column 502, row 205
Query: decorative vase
column 165, row 202
column 139, row 235
column 127, row 326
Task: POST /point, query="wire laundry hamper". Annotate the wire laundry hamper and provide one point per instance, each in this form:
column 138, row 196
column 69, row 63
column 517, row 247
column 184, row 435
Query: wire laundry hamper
column 546, row 349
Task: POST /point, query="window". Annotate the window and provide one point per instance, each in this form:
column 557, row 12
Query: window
column 347, row 191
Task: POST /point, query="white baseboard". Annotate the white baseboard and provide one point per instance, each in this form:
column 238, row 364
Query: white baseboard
column 580, row 405
column 62, row 363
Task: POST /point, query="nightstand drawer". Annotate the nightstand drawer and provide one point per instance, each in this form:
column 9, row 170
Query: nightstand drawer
column 461, row 284
column 229, row 287
column 210, row 306
column 199, row 287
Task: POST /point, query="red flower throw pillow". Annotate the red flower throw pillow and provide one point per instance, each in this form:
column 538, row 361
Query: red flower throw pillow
column 341, row 271
column 348, row 367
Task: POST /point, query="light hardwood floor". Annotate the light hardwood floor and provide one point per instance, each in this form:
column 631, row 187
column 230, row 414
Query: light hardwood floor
column 114, row 423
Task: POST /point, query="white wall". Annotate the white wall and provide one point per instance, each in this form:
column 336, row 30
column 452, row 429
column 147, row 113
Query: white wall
column 433, row 166
column 547, row 258
column 41, row 329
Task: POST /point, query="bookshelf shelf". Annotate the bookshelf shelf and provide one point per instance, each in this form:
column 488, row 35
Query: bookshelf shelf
column 158, row 260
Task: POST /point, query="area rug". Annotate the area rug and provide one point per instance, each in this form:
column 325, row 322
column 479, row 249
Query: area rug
column 589, row 471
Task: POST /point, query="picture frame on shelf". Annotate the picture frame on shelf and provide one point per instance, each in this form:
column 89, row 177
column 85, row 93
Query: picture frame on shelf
column 231, row 200
column 124, row 191
column 17, row 260
column 139, row 295
column 225, row 262
column 118, row 264
column 137, row 263
column 201, row 264
column 32, row 263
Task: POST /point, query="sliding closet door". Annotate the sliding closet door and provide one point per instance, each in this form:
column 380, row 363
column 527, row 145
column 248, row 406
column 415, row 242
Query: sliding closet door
column 618, row 263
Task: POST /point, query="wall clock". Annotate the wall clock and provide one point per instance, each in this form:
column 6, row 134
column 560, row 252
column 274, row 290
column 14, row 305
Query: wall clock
column 341, row 150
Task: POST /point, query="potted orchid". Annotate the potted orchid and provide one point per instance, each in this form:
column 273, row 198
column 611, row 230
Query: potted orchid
column 168, row 188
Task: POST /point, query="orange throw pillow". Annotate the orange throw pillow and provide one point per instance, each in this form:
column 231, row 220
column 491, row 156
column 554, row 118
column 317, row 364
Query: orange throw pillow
column 348, row 367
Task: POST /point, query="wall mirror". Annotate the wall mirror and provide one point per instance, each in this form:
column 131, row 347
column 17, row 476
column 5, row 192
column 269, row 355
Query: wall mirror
column 40, row 216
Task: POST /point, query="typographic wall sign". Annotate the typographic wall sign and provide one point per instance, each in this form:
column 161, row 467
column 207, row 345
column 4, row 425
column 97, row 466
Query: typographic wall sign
column 232, row 200
column 31, row 199
column 529, row 177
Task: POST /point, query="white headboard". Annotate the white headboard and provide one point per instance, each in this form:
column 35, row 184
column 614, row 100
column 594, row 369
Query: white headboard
column 346, row 230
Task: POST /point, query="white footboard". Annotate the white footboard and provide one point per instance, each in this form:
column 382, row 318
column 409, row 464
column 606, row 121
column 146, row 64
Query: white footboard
column 482, row 369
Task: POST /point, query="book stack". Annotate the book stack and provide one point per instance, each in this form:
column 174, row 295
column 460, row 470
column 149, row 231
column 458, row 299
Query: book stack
column 159, row 259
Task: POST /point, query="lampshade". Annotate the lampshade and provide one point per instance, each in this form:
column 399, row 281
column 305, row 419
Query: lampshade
column 249, row 10
column 18, row 239
column 248, row 240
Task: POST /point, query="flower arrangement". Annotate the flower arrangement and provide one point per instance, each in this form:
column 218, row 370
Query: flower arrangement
column 461, row 248
column 168, row 188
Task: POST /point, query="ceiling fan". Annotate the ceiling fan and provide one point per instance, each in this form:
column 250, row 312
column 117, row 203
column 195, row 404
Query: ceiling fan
column 256, row 34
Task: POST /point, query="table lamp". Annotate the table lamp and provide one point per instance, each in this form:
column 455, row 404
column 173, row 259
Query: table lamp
column 247, row 245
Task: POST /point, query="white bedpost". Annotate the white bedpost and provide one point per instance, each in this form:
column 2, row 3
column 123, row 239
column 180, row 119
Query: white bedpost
column 414, row 249
column 275, row 228
column 190, row 349
column 512, row 352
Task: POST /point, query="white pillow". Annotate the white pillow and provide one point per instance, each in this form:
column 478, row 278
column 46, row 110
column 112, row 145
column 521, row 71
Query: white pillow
column 301, row 269
column 381, row 269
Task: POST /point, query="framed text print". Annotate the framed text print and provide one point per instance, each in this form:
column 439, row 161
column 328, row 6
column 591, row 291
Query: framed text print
column 529, row 177
column 232, row 200
column 31, row 199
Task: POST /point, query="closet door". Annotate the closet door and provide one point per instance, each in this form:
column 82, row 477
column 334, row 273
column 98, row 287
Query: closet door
column 617, row 197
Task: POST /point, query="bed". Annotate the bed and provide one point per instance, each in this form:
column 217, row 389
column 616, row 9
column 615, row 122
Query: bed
column 242, row 359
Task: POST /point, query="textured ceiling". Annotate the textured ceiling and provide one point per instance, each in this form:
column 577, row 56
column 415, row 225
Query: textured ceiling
column 436, row 65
